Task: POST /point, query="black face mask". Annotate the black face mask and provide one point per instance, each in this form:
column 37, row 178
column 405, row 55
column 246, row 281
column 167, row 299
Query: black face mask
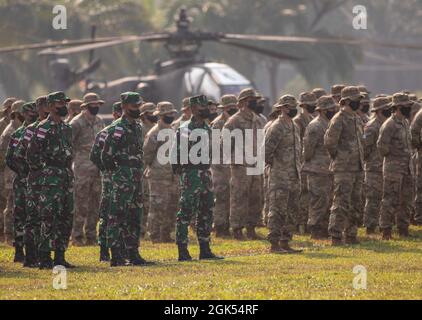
column 204, row 113
column 259, row 109
column 168, row 119
column 62, row 111
column 93, row 110
column 135, row 114
column 310, row 109
column 330, row 114
column 365, row 108
column 406, row 111
column 292, row 113
column 153, row 119
column 253, row 104
column 231, row 111
column 386, row 113
column 354, row 105
column 212, row 116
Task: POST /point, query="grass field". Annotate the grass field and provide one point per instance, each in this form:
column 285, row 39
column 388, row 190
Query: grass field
column 394, row 271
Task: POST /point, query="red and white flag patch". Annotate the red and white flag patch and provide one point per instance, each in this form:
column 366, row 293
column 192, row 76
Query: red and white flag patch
column 118, row 132
column 28, row 135
column 41, row 133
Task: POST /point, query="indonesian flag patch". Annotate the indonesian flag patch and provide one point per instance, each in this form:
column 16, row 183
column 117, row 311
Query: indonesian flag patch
column 14, row 142
column 118, row 132
column 28, row 135
column 103, row 136
column 41, row 133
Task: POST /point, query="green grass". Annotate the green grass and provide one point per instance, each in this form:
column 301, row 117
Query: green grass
column 248, row 272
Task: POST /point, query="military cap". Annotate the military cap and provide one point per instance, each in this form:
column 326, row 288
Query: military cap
column 17, row 106
column 275, row 108
column 57, row 97
column 248, row 93
column 185, row 103
column 363, row 89
column 164, row 108
column 228, row 100
column 287, row 100
column 352, row 93
column 29, row 107
column 201, row 99
column 336, row 90
column 319, row 92
column 148, row 107
column 326, row 102
column 8, row 103
column 307, row 98
column 381, row 103
column 212, row 103
column 91, row 98
column 401, row 99
column 41, row 101
column 131, row 97
column 416, row 106
column 117, row 107
column 74, row 104
column 382, row 95
column 365, row 97
column 413, row 97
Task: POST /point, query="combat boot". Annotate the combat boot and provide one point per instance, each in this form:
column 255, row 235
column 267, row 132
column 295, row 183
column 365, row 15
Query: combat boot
column 237, row 234
column 351, row 240
column 19, row 254
column 104, row 253
column 251, row 234
column 284, row 246
column 31, row 260
column 59, row 259
column 205, row 252
column 116, row 258
column 275, row 247
column 135, row 259
column 222, row 232
column 404, row 232
column 386, row 234
column 45, row 260
column 183, row 252
column 336, row 242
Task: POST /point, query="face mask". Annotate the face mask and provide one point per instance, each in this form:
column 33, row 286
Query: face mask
column 232, row 111
column 259, row 109
column 386, row 113
column 168, row 119
column 153, row 119
column 135, row 114
column 62, row 111
column 310, row 109
column 212, row 116
column 292, row 113
column 330, row 114
column 365, row 108
column 93, row 110
column 354, row 105
column 253, row 104
column 406, row 111
column 204, row 113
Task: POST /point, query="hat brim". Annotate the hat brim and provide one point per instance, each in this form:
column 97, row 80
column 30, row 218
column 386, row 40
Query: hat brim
column 221, row 106
column 384, row 106
column 253, row 97
column 158, row 113
column 334, row 105
column 307, row 103
column 101, row 102
column 60, row 100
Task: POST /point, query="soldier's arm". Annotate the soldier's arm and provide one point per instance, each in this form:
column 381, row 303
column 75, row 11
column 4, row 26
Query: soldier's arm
column 95, row 154
column 76, row 128
column 108, row 151
column 415, row 131
column 310, row 140
column 369, row 141
column 332, row 136
column 9, row 154
column 175, row 154
column 384, row 140
column 150, row 148
column 272, row 140
column 35, row 150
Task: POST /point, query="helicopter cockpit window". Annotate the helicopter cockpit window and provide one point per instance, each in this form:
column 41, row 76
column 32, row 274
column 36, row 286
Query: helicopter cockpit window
column 193, row 80
column 227, row 76
column 210, row 88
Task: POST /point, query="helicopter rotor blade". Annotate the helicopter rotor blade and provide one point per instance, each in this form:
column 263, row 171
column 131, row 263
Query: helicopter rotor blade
column 317, row 40
column 121, row 40
column 270, row 53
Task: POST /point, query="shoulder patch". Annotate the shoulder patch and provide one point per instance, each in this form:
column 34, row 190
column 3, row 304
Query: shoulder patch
column 41, row 133
column 28, row 134
column 118, row 132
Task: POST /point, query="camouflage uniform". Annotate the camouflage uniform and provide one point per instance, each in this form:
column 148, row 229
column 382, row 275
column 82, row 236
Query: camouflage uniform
column 50, row 157
column 122, row 155
column 302, row 121
column 394, row 144
column 416, row 131
column 316, row 164
column 87, row 176
column 343, row 141
column 162, row 182
column 373, row 167
column 282, row 154
column 196, row 196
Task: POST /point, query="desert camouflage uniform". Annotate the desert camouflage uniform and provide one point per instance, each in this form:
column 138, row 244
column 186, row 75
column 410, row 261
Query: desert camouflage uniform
column 265, row 209
column 282, row 153
column 316, row 165
column 416, row 132
column 373, row 173
column 196, row 196
column 50, row 157
column 122, row 155
column 87, row 178
column 343, row 140
column 394, row 144
column 163, row 188
column 245, row 190
column 146, row 191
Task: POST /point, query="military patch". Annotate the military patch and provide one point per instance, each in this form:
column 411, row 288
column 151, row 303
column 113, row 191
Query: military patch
column 118, row 132
column 41, row 133
column 28, row 135
column 103, row 136
column 14, row 142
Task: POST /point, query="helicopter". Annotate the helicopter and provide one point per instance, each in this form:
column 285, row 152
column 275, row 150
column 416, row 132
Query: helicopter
column 184, row 74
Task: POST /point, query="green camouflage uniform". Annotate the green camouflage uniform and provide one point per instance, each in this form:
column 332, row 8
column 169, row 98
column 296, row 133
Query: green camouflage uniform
column 197, row 198
column 122, row 154
column 50, row 157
